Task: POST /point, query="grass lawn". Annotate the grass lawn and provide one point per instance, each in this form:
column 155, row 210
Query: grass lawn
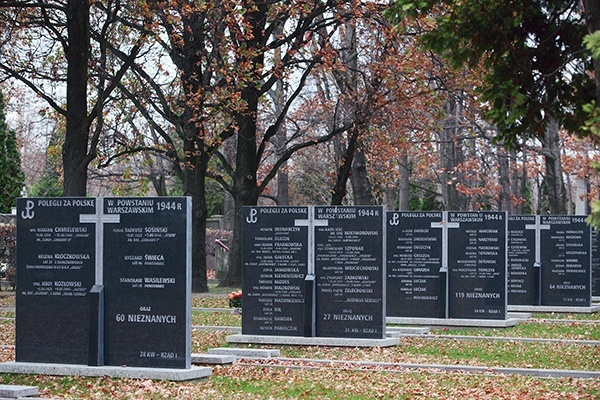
column 331, row 381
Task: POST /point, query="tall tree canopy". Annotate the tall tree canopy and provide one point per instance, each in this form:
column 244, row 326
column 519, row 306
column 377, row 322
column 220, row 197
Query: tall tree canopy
column 230, row 57
column 535, row 67
column 48, row 47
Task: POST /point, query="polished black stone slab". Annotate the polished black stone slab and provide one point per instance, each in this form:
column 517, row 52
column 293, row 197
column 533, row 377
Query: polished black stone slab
column 104, row 281
column 147, row 282
column 274, row 268
column 477, row 261
column 566, row 261
column 350, row 272
column 595, row 265
column 414, row 259
column 313, row 272
column 521, row 259
column 55, row 270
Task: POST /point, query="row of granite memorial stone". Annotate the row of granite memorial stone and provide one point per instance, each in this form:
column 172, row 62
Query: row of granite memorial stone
column 107, row 281
column 335, row 271
column 548, row 261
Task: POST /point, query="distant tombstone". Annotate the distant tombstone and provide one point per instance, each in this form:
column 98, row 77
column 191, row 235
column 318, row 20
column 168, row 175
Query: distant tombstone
column 350, row 267
column 414, row 259
column 477, row 265
column 275, row 255
column 565, row 261
column 147, row 279
column 521, row 259
column 55, row 269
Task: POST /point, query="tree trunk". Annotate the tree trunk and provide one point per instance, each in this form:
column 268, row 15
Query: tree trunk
column 361, row 187
column 451, row 156
column 554, row 174
column 345, row 168
column 194, row 186
column 283, row 195
column 504, row 178
column 245, row 190
column 159, row 183
column 75, row 147
column 517, row 182
column 390, row 198
column 245, row 193
column 346, row 82
column 404, row 190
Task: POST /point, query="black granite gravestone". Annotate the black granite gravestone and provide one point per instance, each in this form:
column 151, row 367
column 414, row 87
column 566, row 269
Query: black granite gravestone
column 595, row 266
column 104, row 281
column 477, row 265
column 414, row 259
column 147, row 280
column 350, row 268
column 313, row 271
column 275, row 254
column 521, row 259
column 566, row 261
column 55, row 270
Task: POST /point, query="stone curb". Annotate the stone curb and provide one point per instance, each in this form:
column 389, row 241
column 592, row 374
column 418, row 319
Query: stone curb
column 113, row 372
column 556, row 309
column 542, row 373
column 311, row 341
column 506, row 339
column 214, row 310
column 244, row 352
column 16, row 391
column 217, row 328
column 213, row 359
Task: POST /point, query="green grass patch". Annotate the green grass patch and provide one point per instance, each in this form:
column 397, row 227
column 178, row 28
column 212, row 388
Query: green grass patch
column 465, row 352
column 215, row 288
column 287, row 386
column 532, row 329
column 508, row 354
column 342, row 381
column 569, row 316
column 211, row 302
column 237, row 382
column 204, row 340
column 7, row 299
column 216, row 318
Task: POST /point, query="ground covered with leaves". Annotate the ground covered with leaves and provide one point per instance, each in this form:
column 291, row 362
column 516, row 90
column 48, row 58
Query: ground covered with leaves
column 241, row 382
column 350, row 373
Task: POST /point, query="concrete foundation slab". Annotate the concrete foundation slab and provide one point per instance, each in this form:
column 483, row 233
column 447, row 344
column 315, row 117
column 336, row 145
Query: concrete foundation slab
column 168, row 374
column 555, row 309
column 473, row 323
column 312, row 341
column 394, row 331
column 16, row 391
column 216, row 359
column 243, row 352
column 519, row 315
